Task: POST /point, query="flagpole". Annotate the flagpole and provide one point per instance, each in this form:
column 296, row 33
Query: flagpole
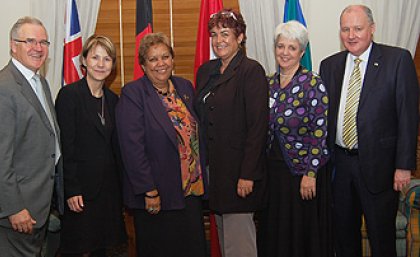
column 121, row 46
column 171, row 25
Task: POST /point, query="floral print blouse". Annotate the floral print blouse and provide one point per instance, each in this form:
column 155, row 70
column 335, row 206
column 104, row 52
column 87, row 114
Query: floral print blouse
column 188, row 145
column 298, row 120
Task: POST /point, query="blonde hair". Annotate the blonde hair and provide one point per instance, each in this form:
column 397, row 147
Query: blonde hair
column 103, row 41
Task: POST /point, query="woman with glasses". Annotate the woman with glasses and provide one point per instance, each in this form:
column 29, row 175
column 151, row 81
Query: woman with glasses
column 296, row 221
column 231, row 101
column 93, row 217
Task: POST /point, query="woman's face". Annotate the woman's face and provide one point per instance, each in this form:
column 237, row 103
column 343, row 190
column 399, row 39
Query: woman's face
column 224, row 42
column 288, row 53
column 159, row 64
column 98, row 64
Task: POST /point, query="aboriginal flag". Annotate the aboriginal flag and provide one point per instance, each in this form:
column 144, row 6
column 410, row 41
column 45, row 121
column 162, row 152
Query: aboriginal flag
column 144, row 20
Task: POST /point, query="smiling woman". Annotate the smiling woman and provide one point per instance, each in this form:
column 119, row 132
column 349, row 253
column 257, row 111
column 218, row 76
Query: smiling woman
column 92, row 161
column 164, row 178
column 231, row 101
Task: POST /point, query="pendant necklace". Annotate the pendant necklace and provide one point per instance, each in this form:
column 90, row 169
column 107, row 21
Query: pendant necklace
column 101, row 115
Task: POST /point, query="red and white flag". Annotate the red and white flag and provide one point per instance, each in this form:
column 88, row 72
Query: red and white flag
column 72, row 45
column 203, row 50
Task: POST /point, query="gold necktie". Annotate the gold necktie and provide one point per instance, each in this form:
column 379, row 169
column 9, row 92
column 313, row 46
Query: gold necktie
column 352, row 104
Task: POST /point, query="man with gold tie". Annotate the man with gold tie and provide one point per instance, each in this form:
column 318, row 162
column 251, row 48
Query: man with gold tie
column 372, row 132
column 30, row 163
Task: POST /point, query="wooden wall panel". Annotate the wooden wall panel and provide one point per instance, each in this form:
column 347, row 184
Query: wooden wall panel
column 185, row 22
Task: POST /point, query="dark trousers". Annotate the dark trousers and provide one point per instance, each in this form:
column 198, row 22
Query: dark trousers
column 352, row 199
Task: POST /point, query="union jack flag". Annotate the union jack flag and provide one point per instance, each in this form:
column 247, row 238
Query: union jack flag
column 72, row 45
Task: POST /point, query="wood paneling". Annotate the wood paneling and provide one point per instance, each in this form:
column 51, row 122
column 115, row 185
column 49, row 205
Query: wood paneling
column 184, row 20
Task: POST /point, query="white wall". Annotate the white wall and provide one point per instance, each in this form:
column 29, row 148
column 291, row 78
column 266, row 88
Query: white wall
column 323, row 19
column 10, row 11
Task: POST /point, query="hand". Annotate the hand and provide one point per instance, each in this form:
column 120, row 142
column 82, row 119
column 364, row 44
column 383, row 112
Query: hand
column 75, row 203
column 152, row 205
column 307, row 187
column 22, row 221
column 401, row 179
column 245, row 187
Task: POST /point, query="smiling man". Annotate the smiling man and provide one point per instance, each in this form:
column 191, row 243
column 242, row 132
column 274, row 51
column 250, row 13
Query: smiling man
column 372, row 132
column 29, row 145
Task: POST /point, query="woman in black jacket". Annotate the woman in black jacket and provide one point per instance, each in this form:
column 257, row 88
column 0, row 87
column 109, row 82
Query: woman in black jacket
column 93, row 217
column 232, row 102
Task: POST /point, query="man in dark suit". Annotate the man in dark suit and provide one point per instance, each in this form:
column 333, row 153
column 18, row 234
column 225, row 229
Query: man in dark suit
column 373, row 119
column 29, row 145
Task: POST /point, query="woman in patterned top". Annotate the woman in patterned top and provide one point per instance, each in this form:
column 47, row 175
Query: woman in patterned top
column 164, row 179
column 295, row 223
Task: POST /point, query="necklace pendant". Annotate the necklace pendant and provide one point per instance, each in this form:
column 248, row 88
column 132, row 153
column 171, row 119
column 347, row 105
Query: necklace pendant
column 102, row 119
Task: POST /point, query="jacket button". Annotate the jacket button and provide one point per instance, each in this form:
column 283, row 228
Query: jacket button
column 210, row 123
column 212, row 108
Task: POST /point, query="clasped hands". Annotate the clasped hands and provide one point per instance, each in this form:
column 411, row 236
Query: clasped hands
column 22, row 222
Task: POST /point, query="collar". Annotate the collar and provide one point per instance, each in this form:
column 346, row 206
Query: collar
column 27, row 73
column 364, row 56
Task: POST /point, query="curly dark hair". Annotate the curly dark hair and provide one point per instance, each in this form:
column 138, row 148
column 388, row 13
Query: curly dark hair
column 229, row 18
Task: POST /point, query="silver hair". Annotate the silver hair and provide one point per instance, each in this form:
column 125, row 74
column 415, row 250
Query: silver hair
column 365, row 9
column 14, row 31
column 292, row 30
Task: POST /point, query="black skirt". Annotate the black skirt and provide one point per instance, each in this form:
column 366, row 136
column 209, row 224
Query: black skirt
column 175, row 233
column 100, row 225
column 290, row 226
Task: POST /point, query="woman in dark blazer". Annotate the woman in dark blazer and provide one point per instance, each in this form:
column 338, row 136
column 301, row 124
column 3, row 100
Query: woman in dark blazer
column 232, row 102
column 164, row 179
column 93, row 219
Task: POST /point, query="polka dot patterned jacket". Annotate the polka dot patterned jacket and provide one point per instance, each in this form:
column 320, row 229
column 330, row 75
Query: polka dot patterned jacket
column 298, row 119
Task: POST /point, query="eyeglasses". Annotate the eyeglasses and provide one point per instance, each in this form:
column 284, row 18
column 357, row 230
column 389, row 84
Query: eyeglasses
column 31, row 42
column 228, row 14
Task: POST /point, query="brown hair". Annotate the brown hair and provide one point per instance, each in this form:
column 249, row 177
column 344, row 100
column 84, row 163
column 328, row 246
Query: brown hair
column 229, row 18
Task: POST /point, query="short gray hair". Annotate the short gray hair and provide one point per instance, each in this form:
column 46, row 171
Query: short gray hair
column 14, row 31
column 293, row 30
column 365, row 9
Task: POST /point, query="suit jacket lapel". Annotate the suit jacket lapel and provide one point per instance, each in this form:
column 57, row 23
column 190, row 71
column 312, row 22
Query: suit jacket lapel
column 338, row 80
column 50, row 103
column 30, row 95
column 334, row 93
column 158, row 111
column 231, row 69
column 372, row 71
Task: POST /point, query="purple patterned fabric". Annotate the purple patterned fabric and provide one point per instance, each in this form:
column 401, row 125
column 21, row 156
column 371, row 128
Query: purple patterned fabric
column 298, row 120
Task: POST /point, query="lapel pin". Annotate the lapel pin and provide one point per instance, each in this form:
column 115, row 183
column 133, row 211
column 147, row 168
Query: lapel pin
column 186, row 97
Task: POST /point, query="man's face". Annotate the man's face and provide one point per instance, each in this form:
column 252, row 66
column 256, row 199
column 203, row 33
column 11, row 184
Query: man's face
column 356, row 32
column 31, row 56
